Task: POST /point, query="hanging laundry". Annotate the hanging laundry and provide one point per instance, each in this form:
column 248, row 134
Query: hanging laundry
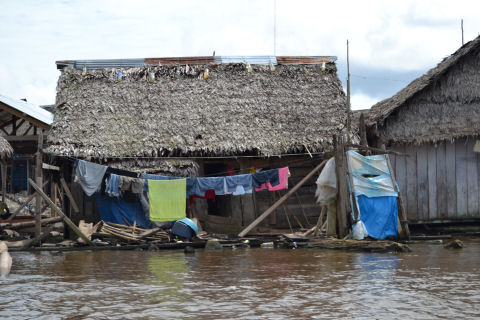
column 134, row 185
column 191, row 182
column 262, row 177
column 215, row 183
column 167, row 199
column 239, row 184
column 209, row 194
column 89, row 175
column 113, row 209
column 111, row 185
column 230, row 172
column 283, row 174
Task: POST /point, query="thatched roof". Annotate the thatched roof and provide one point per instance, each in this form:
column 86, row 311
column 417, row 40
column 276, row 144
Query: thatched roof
column 170, row 167
column 234, row 112
column 380, row 111
column 6, row 150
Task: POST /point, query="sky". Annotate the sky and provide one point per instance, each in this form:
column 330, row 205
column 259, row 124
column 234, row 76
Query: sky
column 390, row 42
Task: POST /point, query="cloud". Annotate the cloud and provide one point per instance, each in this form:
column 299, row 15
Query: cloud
column 360, row 101
column 386, row 37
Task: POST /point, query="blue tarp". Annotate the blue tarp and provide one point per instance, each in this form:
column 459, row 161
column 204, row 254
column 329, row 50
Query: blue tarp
column 379, row 215
column 113, row 209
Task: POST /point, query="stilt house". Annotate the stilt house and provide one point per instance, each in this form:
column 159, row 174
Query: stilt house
column 435, row 122
column 203, row 116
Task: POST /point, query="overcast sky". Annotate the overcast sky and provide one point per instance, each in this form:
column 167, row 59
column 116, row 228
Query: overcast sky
column 391, row 42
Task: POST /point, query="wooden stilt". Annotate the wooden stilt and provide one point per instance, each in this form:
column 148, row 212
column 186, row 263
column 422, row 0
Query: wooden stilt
column 39, row 180
column 343, row 203
column 4, row 179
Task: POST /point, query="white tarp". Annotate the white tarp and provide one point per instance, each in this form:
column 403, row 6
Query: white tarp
column 327, row 184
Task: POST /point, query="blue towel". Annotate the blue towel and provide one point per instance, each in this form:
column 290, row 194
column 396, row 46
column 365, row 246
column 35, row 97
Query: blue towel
column 239, row 184
column 203, row 184
column 262, row 177
column 111, row 187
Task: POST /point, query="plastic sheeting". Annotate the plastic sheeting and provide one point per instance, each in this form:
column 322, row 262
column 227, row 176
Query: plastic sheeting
column 379, row 215
column 371, row 176
column 113, row 209
column 327, row 184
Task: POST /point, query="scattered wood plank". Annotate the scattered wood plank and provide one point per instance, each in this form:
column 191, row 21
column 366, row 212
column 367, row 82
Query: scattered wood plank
column 60, row 213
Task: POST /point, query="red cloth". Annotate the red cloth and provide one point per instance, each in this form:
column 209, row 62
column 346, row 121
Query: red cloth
column 209, row 194
column 283, row 174
column 230, row 172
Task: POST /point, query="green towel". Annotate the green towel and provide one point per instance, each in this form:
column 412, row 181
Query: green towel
column 167, row 199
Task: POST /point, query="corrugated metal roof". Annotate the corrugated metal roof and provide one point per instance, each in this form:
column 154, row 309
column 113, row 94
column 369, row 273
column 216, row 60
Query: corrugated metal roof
column 141, row 62
column 246, row 59
column 29, row 109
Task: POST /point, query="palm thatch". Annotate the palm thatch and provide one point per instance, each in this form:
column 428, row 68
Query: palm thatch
column 6, row 150
column 164, row 167
column 234, row 112
column 443, row 104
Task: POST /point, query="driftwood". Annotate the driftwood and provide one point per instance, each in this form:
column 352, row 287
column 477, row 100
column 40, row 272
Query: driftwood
column 359, row 245
column 20, row 225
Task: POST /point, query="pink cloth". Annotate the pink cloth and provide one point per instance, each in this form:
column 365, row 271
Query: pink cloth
column 283, row 174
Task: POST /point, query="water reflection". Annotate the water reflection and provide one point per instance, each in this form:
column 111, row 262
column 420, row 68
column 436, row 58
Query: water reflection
column 431, row 282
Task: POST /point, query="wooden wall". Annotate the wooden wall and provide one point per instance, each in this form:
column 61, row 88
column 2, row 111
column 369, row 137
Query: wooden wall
column 441, row 182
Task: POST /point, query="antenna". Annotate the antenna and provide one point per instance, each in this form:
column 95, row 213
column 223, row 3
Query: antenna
column 274, row 27
column 462, row 32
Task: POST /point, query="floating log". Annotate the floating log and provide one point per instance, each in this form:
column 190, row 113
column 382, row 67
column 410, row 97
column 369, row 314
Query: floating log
column 359, row 245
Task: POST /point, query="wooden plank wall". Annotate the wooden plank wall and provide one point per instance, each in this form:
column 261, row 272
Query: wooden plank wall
column 439, row 182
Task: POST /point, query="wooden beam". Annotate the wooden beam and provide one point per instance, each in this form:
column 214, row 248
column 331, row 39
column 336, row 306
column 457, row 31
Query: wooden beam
column 28, row 130
column 69, row 195
column 281, row 200
column 60, row 213
column 50, row 167
column 28, row 224
column 39, row 179
column 343, row 203
column 4, row 179
column 33, row 138
column 401, row 207
column 23, row 115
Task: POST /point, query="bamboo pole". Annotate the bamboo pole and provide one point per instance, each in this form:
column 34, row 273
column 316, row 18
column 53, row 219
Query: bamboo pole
column 281, row 200
column 60, row 213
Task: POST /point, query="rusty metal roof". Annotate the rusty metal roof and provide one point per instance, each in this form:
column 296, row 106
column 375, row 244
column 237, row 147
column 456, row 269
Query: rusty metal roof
column 200, row 60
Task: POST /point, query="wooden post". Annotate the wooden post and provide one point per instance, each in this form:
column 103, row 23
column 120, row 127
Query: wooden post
column 60, row 213
column 4, row 179
column 320, row 220
column 401, row 208
column 343, row 206
column 39, row 180
column 281, row 200
column 362, row 131
column 332, row 219
column 69, row 195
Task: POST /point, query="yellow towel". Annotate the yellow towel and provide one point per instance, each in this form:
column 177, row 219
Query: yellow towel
column 167, row 199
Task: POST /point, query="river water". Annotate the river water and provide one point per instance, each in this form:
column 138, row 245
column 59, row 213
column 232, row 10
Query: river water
column 429, row 283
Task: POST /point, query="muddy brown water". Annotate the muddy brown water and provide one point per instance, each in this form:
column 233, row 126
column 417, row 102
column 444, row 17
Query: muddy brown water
column 429, row 283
